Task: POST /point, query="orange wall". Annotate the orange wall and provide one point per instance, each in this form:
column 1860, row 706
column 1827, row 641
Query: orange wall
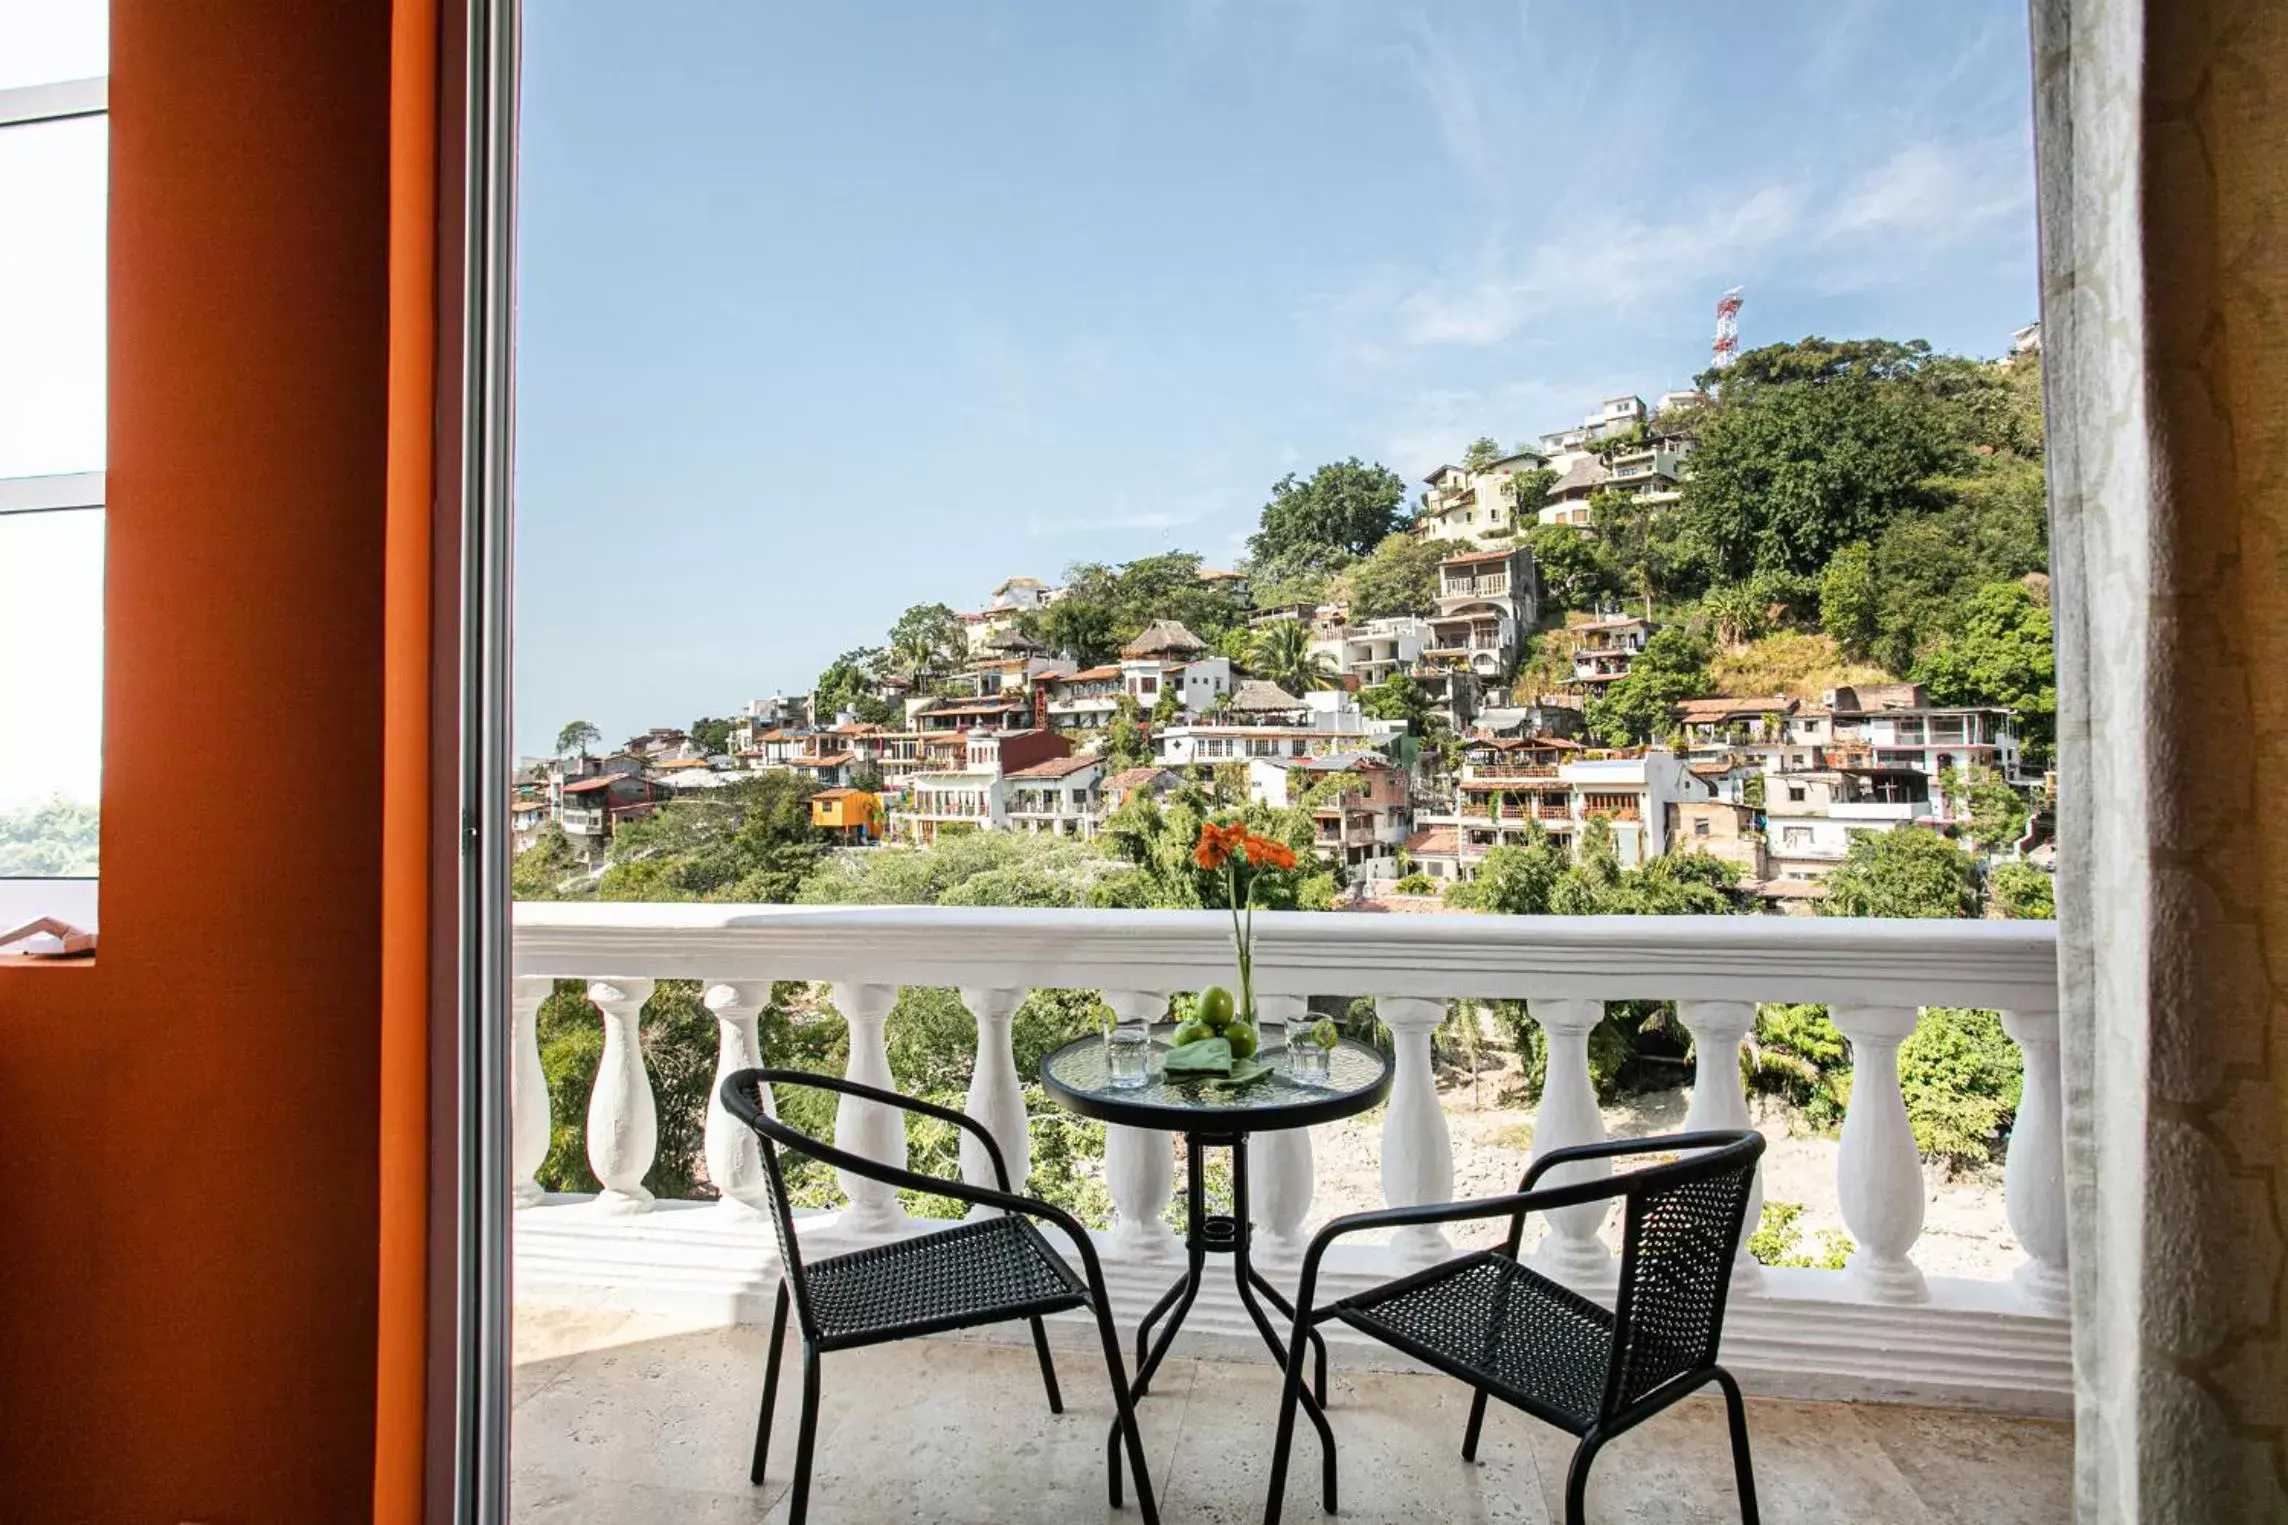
column 190, row 1130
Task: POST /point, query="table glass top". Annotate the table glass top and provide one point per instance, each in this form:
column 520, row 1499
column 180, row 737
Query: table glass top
column 1352, row 1068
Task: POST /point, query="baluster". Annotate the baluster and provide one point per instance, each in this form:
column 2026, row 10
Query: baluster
column 1139, row 1163
column 734, row 1162
column 1719, row 1101
column 1879, row 1176
column 869, row 1128
column 995, row 1097
column 1279, row 1164
column 1417, row 1151
column 1575, row 1249
column 2034, row 1179
column 527, row 1092
column 623, row 1123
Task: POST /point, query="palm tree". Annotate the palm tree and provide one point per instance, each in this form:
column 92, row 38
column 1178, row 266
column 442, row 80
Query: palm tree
column 1282, row 654
column 1735, row 613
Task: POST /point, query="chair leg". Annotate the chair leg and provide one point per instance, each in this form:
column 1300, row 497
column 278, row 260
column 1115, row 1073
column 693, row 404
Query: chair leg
column 799, row 1508
column 1048, row 1367
column 1124, row 1426
column 1743, row 1468
column 1577, row 1478
column 1477, row 1420
column 770, row 1388
column 1283, row 1439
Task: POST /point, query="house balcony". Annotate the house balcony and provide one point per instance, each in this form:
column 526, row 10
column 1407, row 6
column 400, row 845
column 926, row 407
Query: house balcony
column 1884, row 1329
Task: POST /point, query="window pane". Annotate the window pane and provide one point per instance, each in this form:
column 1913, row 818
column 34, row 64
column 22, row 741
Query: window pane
column 42, row 41
column 51, row 691
column 53, row 184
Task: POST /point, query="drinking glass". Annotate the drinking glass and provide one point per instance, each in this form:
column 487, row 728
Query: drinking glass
column 1308, row 1063
column 1128, row 1057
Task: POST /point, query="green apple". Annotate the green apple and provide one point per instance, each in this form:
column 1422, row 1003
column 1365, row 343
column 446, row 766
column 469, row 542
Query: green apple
column 1190, row 1032
column 1241, row 1037
column 1326, row 1034
column 1214, row 1007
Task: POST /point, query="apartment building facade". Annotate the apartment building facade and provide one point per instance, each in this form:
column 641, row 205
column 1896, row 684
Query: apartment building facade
column 1470, row 507
column 1486, row 602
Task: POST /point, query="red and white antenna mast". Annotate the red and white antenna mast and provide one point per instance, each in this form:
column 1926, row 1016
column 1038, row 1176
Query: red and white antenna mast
column 1727, row 345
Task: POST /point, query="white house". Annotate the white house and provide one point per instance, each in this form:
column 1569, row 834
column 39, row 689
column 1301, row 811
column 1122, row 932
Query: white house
column 1372, row 651
column 1474, row 506
column 1060, row 797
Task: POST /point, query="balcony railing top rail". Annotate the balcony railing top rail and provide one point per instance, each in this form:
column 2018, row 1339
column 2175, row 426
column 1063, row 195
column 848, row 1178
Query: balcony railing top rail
column 2007, row 965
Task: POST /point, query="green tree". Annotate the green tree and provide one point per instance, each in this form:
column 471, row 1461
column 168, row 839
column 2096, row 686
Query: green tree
column 926, row 640
column 543, row 870
column 852, row 682
column 1282, row 654
column 1848, row 606
column 578, row 737
column 1081, row 625
column 1344, row 508
column 1736, row 613
column 1640, row 707
column 712, row 734
column 1998, row 813
column 2002, row 655
column 1125, row 744
column 1400, row 576
column 52, row 840
column 1293, row 579
column 1398, row 697
column 1515, row 879
column 1573, row 573
column 749, row 842
column 1992, row 525
column 1810, row 446
column 1906, row 871
column 1482, row 452
column 2023, row 892
column 1529, row 494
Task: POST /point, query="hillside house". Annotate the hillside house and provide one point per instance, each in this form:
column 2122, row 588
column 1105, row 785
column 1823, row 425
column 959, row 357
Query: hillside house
column 1058, row 797
column 1471, row 507
column 853, row 817
column 1371, row 651
column 1486, row 603
column 1603, row 648
column 1363, row 825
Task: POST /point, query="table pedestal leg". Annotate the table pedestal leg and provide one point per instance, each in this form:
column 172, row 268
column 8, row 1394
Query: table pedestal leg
column 1207, row 1234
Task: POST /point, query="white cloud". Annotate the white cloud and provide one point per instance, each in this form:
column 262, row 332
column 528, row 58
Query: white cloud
column 1598, row 262
column 1937, row 195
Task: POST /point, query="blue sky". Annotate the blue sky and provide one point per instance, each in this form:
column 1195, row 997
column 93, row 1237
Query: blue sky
column 829, row 310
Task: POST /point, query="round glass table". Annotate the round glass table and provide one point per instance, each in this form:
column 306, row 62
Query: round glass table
column 1211, row 1115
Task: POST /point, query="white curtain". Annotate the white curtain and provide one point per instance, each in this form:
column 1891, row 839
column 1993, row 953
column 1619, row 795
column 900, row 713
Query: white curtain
column 2163, row 139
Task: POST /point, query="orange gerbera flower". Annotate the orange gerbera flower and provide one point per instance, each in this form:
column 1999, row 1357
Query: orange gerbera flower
column 1217, row 844
column 1263, row 852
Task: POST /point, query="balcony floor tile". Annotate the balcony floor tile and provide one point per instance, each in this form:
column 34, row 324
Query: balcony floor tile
column 623, row 1417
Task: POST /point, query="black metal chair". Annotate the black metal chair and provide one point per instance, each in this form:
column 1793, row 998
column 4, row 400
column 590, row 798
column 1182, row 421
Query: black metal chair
column 981, row 1271
column 1516, row 1335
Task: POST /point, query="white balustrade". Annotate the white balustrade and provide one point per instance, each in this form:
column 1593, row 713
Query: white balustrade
column 529, row 1119
column 1139, row 1163
column 1719, row 1101
column 1872, row 976
column 870, row 1129
column 1574, row 1250
column 995, row 1098
column 1879, row 1174
column 623, row 1122
column 1279, row 1163
column 734, row 1160
column 1417, row 1149
column 2034, row 1180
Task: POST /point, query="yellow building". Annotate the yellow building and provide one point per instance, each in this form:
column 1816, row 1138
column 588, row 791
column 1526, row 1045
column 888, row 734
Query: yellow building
column 853, row 815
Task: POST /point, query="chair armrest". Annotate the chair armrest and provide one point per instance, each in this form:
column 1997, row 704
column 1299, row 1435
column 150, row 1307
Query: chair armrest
column 1512, row 1205
column 1659, row 1143
column 844, row 1087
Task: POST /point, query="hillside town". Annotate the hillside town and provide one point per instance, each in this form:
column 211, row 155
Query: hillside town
column 1481, row 707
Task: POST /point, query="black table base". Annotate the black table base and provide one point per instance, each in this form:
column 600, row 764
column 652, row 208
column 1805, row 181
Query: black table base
column 1227, row 1234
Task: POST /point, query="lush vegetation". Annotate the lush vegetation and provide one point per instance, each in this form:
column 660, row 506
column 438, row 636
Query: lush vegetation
column 56, row 840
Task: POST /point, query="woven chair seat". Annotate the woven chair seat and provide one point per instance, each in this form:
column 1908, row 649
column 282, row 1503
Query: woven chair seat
column 1494, row 1324
column 981, row 1272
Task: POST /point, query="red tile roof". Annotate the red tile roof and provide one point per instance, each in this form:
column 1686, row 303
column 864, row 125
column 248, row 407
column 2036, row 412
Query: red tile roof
column 1436, row 839
column 590, row 785
column 1057, row 767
